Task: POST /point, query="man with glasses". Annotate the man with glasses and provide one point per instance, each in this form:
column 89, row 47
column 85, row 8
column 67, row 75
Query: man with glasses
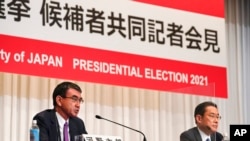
column 206, row 118
column 61, row 123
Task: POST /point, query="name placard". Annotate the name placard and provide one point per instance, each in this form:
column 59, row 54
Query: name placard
column 89, row 137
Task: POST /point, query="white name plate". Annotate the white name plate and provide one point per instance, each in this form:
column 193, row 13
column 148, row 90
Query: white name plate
column 89, row 137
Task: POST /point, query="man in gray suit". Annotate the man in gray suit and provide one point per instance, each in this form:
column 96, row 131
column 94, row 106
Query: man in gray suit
column 206, row 118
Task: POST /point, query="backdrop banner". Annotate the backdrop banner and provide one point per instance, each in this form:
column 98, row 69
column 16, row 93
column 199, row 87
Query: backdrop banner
column 158, row 45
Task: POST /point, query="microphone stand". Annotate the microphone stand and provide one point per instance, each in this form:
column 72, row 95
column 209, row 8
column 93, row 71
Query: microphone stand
column 144, row 137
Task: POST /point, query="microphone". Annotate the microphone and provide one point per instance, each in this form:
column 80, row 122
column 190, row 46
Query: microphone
column 144, row 137
column 218, row 136
column 225, row 137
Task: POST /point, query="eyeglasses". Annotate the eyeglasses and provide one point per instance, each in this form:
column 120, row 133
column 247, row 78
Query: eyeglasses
column 213, row 116
column 76, row 99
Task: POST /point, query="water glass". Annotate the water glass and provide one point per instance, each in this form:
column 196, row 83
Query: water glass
column 79, row 138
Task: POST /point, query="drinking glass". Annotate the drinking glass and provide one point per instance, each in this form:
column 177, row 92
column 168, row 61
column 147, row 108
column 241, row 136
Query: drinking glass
column 79, row 138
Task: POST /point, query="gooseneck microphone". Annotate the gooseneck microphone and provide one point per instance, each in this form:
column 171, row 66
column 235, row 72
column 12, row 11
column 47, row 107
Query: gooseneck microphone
column 144, row 137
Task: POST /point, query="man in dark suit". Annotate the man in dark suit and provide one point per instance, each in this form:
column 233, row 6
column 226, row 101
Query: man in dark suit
column 66, row 100
column 206, row 118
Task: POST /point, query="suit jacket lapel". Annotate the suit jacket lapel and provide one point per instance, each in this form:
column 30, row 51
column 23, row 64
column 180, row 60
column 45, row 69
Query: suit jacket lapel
column 54, row 126
column 197, row 134
column 73, row 129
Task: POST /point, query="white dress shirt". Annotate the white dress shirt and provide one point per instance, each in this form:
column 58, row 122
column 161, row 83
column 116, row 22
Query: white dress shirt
column 61, row 122
column 204, row 136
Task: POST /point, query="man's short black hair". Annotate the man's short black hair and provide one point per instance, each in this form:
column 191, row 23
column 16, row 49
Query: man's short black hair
column 62, row 88
column 201, row 108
